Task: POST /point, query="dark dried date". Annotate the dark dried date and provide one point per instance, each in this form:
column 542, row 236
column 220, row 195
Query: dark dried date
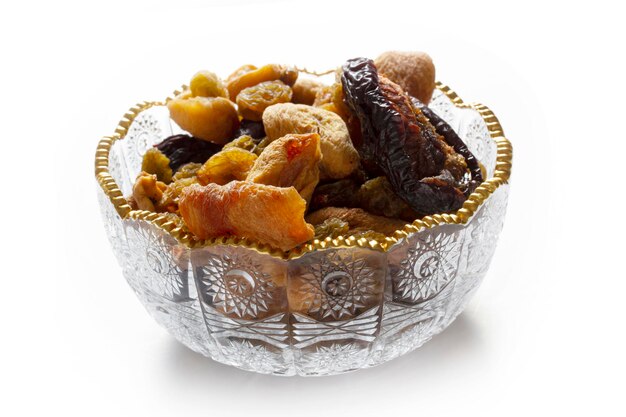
column 455, row 141
column 182, row 149
column 400, row 141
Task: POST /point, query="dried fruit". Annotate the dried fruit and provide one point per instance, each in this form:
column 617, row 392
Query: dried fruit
column 228, row 165
column 155, row 162
column 342, row 193
column 324, row 95
column 147, row 191
column 340, row 158
column 332, row 228
column 400, row 141
column 252, row 101
column 171, row 195
column 244, row 142
column 244, row 69
column 292, row 160
column 263, row 213
column 413, row 71
column 207, row 84
column 452, row 139
column 182, row 149
column 271, row 72
column 305, row 90
column 251, row 128
column 187, row 171
column 377, row 197
column 358, row 219
column 214, row 119
column 260, row 147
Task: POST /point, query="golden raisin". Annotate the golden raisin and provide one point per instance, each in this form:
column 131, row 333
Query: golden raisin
column 244, row 69
column 271, row 72
column 243, row 142
column 252, row 101
column 155, row 162
column 171, row 195
column 207, row 84
column 332, row 227
column 226, row 166
column 188, row 170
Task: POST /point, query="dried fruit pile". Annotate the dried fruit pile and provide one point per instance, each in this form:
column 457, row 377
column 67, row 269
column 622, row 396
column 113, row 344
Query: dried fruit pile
column 282, row 160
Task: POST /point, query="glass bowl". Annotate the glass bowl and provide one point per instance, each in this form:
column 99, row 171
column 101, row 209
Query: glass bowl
column 326, row 307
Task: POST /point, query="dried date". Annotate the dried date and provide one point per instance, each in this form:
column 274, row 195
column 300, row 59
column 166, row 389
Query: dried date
column 401, row 142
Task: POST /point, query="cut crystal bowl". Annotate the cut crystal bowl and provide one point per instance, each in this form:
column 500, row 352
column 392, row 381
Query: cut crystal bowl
column 325, row 308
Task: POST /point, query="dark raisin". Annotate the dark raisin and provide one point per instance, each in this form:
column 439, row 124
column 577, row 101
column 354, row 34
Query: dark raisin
column 401, row 141
column 182, row 149
column 250, row 128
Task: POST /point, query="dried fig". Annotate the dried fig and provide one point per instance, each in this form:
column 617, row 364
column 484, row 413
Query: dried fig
column 413, row 71
column 340, row 158
column 305, row 90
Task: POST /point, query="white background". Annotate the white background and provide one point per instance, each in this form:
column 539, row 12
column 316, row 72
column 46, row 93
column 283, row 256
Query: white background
column 543, row 336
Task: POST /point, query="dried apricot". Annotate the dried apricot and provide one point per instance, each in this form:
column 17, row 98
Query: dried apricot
column 225, row 166
column 244, row 69
column 264, row 213
column 413, row 71
column 305, row 90
column 155, row 162
column 252, row 101
column 213, row 119
column 340, row 158
column 207, row 84
column 271, row 72
column 292, row 160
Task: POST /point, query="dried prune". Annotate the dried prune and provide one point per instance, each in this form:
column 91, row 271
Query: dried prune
column 402, row 143
column 291, row 161
column 264, row 213
column 377, row 197
column 244, row 142
column 182, row 149
column 251, row 128
column 342, row 193
column 358, row 219
column 332, row 228
column 340, row 158
column 207, row 84
column 225, row 166
column 413, row 71
column 271, row 72
column 155, row 162
column 214, row 119
column 252, row 101
column 452, row 139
